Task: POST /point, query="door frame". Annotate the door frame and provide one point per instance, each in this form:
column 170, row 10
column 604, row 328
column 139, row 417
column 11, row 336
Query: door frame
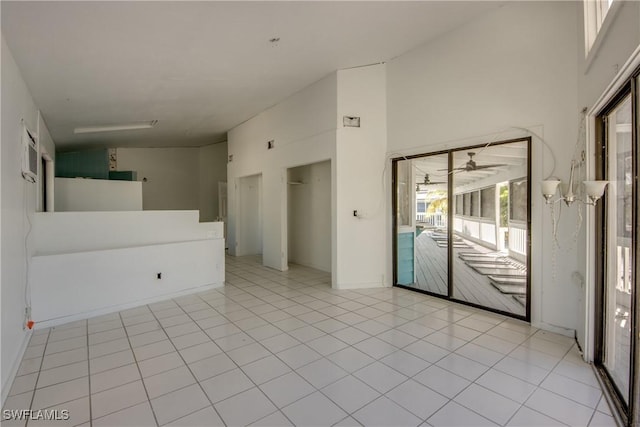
column 394, row 225
column 628, row 414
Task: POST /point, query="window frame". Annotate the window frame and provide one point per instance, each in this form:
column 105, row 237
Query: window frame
column 598, row 18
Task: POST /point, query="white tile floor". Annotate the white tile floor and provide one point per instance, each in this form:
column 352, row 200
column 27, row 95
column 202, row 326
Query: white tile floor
column 275, row 349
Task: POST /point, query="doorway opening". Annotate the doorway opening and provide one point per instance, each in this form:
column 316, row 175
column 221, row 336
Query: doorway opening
column 46, row 187
column 462, row 225
column 309, row 215
column 249, row 229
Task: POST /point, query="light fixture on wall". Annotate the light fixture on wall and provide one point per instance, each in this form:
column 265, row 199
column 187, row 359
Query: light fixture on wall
column 592, row 189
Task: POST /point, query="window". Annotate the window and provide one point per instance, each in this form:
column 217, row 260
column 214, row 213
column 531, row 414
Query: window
column 488, row 203
column 467, row 204
column 518, row 200
column 595, row 12
column 459, row 210
column 475, row 203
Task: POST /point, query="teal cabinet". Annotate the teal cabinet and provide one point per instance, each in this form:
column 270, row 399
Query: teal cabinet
column 83, row 164
column 89, row 164
column 123, row 175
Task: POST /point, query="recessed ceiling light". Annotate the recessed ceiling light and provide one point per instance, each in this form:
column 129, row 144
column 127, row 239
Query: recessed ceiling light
column 114, row 128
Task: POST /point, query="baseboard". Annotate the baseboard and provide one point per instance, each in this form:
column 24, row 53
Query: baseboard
column 555, row 329
column 345, row 286
column 311, row 265
column 15, row 365
column 112, row 309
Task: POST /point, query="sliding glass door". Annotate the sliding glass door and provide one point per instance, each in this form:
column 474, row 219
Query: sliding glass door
column 617, row 219
column 462, row 225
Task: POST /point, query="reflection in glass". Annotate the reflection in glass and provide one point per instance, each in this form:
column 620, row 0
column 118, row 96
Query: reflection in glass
column 490, row 234
column 619, row 266
column 428, row 226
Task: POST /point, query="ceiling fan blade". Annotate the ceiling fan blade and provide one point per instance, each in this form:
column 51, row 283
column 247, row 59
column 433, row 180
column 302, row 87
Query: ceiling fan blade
column 496, row 165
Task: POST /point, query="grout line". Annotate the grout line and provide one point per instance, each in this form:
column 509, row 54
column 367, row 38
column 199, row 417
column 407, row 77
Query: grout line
column 135, row 359
column 89, row 378
column 33, row 396
column 194, row 377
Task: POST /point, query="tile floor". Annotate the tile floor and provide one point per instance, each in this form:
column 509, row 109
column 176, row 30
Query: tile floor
column 283, row 348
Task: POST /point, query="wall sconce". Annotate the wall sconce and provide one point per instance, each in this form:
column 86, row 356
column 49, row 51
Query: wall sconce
column 593, row 189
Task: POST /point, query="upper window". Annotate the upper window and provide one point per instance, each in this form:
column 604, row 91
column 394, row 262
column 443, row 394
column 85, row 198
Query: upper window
column 595, row 11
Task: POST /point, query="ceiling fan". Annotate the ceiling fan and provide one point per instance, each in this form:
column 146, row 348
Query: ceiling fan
column 427, row 181
column 471, row 165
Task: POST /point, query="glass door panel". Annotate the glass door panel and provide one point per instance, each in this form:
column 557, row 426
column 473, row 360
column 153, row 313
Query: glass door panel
column 619, row 262
column 432, row 211
column 490, row 226
column 422, row 217
column 405, row 223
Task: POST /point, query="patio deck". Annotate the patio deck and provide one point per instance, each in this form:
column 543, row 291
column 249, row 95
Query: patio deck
column 431, row 273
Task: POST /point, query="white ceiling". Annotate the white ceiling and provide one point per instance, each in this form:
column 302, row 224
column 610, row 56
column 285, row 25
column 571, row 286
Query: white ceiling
column 199, row 68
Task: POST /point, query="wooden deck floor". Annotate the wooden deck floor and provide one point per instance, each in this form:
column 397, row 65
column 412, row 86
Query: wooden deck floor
column 470, row 286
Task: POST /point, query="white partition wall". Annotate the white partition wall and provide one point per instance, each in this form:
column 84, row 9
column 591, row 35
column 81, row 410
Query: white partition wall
column 89, row 263
column 82, row 195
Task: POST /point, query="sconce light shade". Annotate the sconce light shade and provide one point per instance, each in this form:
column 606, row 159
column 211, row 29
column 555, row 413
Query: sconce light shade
column 549, row 188
column 594, row 189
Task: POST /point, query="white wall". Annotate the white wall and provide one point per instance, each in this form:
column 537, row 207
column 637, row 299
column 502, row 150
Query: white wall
column 309, row 215
column 172, row 176
column 515, row 66
column 85, row 264
column 85, row 284
column 212, row 164
column 362, row 258
column 18, row 202
column 81, row 195
column 307, row 128
column 303, row 128
column 65, row 232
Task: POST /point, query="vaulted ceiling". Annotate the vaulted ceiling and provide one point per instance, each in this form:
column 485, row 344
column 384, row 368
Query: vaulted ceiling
column 199, row 68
